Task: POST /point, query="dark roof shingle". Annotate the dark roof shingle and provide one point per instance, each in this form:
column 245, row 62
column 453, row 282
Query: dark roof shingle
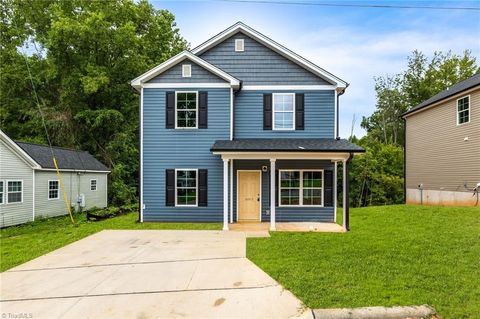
column 454, row 89
column 66, row 158
column 286, row 145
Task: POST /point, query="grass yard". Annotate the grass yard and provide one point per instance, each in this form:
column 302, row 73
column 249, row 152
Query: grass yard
column 22, row 243
column 394, row 255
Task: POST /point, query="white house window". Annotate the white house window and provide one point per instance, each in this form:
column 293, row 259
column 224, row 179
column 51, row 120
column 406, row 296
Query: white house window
column 93, row 184
column 186, row 187
column 239, row 45
column 283, row 111
column 301, row 188
column 2, row 192
column 186, row 70
column 14, row 191
column 186, row 109
column 463, row 110
column 52, row 189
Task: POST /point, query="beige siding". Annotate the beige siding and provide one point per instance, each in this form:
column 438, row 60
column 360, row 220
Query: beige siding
column 75, row 184
column 441, row 154
column 13, row 167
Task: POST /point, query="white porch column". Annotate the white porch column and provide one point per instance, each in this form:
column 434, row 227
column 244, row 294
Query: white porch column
column 335, row 204
column 272, row 194
column 231, row 191
column 344, row 209
column 225, row 194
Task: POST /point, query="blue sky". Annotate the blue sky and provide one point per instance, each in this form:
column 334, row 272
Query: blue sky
column 355, row 44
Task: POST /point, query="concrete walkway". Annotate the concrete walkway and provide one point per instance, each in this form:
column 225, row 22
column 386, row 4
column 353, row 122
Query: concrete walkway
column 147, row 274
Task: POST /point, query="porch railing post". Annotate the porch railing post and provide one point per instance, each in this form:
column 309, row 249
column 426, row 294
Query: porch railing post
column 272, row 194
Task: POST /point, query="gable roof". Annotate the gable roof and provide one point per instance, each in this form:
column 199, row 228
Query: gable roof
column 454, row 89
column 66, row 158
column 140, row 80
column 239, row 26
column 18, row 150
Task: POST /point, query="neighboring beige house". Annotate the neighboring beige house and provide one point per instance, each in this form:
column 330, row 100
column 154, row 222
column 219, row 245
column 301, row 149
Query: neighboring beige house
column 442, row 147
column 30, row 188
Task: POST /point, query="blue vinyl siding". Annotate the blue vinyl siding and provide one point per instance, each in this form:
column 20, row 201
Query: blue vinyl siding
column 199, row 75
column 284, row 214
column 258, row 64
column 183, row 148
column 319, row 116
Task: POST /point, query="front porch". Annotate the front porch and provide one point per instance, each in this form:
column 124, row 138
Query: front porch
column 284, row 184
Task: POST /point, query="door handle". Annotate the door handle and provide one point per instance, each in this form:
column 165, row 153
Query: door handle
column 258, row 198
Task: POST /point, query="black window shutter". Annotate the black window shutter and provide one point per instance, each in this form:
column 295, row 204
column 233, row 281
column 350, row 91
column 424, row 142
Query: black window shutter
column 328, row 184
column 299, row 111
column 203, row 110
column 267, row 111
column 276, row 189
column 170, row 187
column 202, row 187
column 170, row 110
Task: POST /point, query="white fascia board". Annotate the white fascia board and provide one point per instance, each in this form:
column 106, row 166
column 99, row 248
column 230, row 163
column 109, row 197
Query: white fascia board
column 138, row 82
column 19, row 151
column 239, row 26
column 340, row 156
column 288, row 87
column 185, row 85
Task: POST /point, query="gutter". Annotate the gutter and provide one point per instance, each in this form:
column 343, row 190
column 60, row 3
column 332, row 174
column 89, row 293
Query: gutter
column 338, row 110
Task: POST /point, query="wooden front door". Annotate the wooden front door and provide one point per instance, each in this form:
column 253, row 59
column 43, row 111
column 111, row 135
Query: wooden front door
column 248, row 202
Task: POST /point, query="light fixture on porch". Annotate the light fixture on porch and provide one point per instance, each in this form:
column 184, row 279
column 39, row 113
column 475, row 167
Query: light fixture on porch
column 264, row 168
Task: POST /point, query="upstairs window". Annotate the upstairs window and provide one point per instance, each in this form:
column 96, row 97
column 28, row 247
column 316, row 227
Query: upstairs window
column 186, row 187
column 14, row 191
column 2, row 191
column 283, row 111
column 186, row 109
column 93, row 185
column 463, row 110
column 186, row 70
column 239, row 45
column 52, row 189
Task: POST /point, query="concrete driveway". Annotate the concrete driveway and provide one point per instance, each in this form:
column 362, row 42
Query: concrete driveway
column 147, row 274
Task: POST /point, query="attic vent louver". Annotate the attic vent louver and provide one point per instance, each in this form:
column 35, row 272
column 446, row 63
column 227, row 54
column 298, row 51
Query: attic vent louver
column 186, row 70
column 239, row 45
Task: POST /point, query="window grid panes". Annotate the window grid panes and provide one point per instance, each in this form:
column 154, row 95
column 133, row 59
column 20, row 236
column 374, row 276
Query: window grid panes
column 1, row 192
column 463, row 109
column 186, row 110
column 301, row 188
column 14, row 192
column 186, row 187
column 93, row 185
column 283, row 111
column 52, row 189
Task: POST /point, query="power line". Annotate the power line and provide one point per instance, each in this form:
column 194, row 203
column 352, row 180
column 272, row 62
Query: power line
column 377, row 6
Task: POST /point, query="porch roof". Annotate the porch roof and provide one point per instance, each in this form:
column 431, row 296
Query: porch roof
column 303, row 145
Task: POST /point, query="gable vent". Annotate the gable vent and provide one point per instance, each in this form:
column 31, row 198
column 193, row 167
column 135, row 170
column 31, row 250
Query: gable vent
column 239, row 45
column 186, row 70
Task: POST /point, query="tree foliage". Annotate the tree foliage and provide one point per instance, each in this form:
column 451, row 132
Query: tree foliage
column 82, row 55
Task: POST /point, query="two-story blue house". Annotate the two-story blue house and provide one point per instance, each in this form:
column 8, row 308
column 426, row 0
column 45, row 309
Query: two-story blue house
column 240, row 129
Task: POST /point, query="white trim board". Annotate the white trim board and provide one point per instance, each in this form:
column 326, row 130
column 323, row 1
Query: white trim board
column 284, row 155
column 18, row 150
column 139, row 81
column 186, row 85
column 239, row 26
column 288, row 87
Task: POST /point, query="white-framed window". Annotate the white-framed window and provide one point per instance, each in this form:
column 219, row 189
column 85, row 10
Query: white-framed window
column 301, row 188
column 186, row 70
column 2, row 192
column 53, row 188
column 283, row 111
column 239, row 45
column 463, row 110
column 186, row 187
column 14, row 192
column 186, row 109
column 93, row 185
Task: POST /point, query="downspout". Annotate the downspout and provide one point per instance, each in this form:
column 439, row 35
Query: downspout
column 338, row 110
column 233, row 112
column 347, row 193
column 404, row 160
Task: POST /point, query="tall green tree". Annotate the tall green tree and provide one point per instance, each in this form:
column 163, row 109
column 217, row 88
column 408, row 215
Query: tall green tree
column 82, row 55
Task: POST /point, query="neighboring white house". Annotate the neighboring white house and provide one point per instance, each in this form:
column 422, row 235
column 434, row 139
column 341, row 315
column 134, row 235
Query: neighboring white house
column 30, row 188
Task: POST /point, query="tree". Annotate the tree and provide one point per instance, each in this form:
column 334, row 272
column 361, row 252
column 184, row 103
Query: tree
column 82, row 56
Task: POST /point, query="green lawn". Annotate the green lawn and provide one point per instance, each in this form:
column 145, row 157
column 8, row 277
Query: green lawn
column 25, row 242
column 394, row 255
